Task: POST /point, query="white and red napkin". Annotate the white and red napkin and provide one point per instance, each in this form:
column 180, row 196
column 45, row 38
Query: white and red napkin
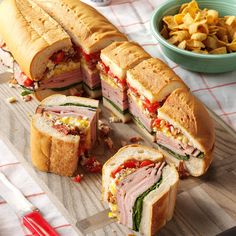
column 10, row 223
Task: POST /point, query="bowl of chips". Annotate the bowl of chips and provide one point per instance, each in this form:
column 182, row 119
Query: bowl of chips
column 198, row 35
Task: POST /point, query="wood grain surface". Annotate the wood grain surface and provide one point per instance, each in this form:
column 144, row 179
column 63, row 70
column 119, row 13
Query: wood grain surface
column 205, row 205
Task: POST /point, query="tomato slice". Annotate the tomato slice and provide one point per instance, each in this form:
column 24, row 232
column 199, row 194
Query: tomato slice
column 116, row 170
column 146, row 163
column 131, row 164
column 92, row 165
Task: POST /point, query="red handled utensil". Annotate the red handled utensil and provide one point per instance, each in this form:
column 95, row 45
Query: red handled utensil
column 32, row 219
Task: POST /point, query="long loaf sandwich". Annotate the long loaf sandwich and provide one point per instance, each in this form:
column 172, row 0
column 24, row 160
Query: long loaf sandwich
column 140, row 188
column 116, row 59
column 62, row 129
column 47, row 62
column 90, row 32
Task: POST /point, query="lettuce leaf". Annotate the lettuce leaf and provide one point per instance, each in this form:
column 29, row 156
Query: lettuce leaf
column 77, row 104
column 117, row 108
column 201, row 155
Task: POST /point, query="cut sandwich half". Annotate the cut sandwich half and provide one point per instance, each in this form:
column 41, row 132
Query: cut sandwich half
column 45, row 56
column 62, row 129
column 185, row 133
column 116, row 59
column 149, row 84
column 140, row 188
column 90, row 32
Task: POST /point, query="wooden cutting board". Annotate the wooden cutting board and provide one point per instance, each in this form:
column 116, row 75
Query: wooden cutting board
column 205, row 205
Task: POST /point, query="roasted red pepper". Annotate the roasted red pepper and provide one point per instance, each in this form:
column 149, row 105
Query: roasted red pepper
column 77, row 178
column 131, row 164
column 146, row 163
column 58, row 57
column 151, row 107
column 116, row 170
column 156, row 122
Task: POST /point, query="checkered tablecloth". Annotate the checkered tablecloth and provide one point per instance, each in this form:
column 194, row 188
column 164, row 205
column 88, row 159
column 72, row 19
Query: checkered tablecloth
column 132, row 17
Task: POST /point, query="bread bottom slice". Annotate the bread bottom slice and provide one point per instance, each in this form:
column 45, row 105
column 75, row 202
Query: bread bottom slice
column 195, row 166
column 42, row 94
column 159, row 204
column 92, row 93
column 125, row 117
column 52, row 151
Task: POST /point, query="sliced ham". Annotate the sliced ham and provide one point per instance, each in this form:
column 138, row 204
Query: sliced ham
column 132, row 186
column 62, row 80
column 116, row 95
column 175, row 145
column 90, row 77
column 136, row 111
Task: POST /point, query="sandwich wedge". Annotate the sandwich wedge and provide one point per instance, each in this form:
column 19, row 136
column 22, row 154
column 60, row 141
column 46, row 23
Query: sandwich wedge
column 45, row 56
column 62, row 128
column 116, row 59
column 149, row 84
column 185, row 133
column 140, row 188
column 90, row 32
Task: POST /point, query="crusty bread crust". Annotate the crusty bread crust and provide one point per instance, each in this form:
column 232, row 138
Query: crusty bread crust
column 121, row 56
column 159, row 204
column 31, row 35
column 42, row 94
column 51, row 154
column 163, row 209
column 154, row 79
column 86, row 26
column 187, row 113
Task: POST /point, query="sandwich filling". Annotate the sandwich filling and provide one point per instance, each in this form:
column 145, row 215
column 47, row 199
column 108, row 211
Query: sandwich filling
column 131, row 183
column 174, row 141
column 143, row 110
column 73, row 119
column 114, row 89
column 89, row 70
column 63, row 71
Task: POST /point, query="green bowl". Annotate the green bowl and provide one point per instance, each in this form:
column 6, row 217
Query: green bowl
column 190, row 60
